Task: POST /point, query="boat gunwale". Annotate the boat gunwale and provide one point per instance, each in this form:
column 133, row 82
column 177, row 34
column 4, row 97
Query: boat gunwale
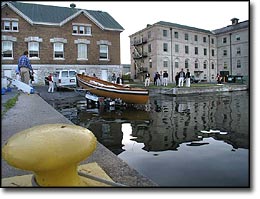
column 121, row 90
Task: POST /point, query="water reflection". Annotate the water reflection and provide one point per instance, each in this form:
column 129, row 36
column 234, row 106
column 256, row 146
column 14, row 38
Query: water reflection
column 173, row 128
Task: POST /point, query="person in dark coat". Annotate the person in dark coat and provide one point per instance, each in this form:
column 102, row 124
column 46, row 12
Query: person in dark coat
column 177, row 78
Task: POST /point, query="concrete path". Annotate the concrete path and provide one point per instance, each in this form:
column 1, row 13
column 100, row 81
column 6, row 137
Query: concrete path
column 31, row 110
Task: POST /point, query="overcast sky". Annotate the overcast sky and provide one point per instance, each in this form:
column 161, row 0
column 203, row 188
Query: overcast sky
column 135, row 15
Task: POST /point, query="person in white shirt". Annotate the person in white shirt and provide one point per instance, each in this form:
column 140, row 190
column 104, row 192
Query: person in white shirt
column 187, row 78
column 181, row 78
column 147, row 79
column 51, row 84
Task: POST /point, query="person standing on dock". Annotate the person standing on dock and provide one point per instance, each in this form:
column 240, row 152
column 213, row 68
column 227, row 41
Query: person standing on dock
column 51, row 83
column 113, row 78
column 187, row 78
column 24, row 66
column 147, row 79
column 165, row 78
column 177, row 76
column 181, row 79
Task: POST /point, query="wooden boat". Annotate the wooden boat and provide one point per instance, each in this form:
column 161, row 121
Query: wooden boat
column 103, row 88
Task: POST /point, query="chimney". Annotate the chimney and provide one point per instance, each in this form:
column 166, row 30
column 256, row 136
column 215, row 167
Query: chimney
column 234, row 21
column 73, row 5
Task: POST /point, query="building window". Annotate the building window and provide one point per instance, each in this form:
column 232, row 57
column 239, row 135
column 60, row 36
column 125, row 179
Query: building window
column 149, row 34
column 165, row 64
column 238, row 51
column 10, row 25
column 33, row 49
column 186, row 36
column 238, row 64
column 149, row 48
column 212, row 41
column 7, row 25
column 225, row 65
column 14, row 25
column 195, row 37
column 165, row 33
column 237, row 37
column 205, row 51
column 75, row 29
column 7, row 49
column 186, row 63
column 165, row 47
column 176, row 64
column 176, row 35
column 176, row 48
column 224, row 52
column 84, row 29
column 224, row 40
column 205, row 64
column 187, row 49
column 212, row 53
column 103, row 52
column 212, row 65
column 82, row 52
column 58, row 50
column 196, row 64
column 204, row 39
column 196, row 49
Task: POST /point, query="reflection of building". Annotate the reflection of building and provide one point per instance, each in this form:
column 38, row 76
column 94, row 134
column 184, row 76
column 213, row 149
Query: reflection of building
column 171, row 127
column 169, row 47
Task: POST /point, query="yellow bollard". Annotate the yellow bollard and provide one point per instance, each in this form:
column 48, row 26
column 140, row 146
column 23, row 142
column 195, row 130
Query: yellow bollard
column 52, row 152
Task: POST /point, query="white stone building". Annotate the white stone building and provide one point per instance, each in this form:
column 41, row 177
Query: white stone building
column 170, row 47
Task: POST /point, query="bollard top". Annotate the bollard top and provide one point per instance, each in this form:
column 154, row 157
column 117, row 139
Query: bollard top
column 49, row 146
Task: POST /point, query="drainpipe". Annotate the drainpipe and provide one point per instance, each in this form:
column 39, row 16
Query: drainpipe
column 171, row 55
column 209, row 59
column 230, row 53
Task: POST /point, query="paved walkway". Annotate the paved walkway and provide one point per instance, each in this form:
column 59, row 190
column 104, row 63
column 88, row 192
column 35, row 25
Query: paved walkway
column 31, row 110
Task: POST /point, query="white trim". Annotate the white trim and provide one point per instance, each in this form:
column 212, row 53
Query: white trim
column 10, row 19
column 30, row 39
column 81, row 41
column 9, row 38
column 7, row 58
column 61, row 23
column 58, row 40
column 18, row 12
column 81, row 24
column 77, row 34
column 104, row 42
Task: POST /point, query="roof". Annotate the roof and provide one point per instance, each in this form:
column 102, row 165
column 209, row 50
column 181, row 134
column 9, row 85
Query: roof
column 46, row 14
column 229, row 28
column 182, row 27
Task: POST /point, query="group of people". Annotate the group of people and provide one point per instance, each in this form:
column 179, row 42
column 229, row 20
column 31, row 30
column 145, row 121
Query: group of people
column 116, row 80
column 157, row 79
column 182, row 77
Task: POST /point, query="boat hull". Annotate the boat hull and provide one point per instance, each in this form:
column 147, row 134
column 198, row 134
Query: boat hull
column 113, row 91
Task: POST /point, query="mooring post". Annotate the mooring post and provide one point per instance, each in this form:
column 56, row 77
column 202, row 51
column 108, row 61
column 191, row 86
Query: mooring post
column 52, row 152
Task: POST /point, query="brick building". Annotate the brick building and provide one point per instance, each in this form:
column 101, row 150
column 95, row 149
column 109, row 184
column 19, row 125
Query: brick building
column 59, row 38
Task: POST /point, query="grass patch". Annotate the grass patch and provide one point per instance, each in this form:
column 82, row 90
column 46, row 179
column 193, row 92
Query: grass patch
column 9, row 104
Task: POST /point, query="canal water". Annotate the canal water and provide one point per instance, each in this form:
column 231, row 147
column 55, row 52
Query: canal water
column 190, row 141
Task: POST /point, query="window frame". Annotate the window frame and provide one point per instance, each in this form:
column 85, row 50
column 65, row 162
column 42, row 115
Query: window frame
column 30, row 51
column 165, row 47
column 54, row 52
column 80, row 52
column 107, row 52
column 11, row 49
